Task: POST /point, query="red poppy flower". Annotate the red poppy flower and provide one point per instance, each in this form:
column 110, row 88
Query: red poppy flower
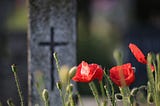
column 88, row 72
column 139, row 55
column 122, row 75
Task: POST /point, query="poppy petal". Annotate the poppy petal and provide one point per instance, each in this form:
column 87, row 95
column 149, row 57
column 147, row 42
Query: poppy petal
column 137, row 53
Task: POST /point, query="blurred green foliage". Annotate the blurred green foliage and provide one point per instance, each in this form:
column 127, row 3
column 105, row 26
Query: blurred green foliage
column 17, row 20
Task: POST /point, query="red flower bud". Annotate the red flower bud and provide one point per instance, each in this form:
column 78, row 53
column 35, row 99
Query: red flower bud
column 122, row 75
column 139, row 55
column 88, row 72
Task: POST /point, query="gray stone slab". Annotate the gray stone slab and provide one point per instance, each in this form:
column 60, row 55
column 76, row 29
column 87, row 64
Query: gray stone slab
column 43, row 15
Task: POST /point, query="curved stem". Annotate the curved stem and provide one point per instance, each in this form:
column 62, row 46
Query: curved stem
column 102, row 89
column 94, row 91
column 18, row 88
column 80, row 99
column 63, row 101
column 112, row 89
column 46, row 103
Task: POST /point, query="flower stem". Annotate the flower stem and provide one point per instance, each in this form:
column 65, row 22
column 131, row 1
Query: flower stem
column 17, row 84
column 157, row 84
column 61, row 94
column 94, row 91
column 70, row 92
column 102, row 89
column 80, row 99
column 126, row 95
column 107, row 92
column 46, row 103
column 110, row 88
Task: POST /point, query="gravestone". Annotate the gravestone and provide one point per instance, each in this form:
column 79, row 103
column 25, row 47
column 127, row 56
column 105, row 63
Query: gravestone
column 52, row 28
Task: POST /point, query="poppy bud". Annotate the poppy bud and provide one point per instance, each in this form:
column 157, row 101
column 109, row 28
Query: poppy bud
column 138, row 54
column 14, row 68
column 117, row 56
column 45, row 95
column 59, row 85
column 72, row 72
column 10, row 102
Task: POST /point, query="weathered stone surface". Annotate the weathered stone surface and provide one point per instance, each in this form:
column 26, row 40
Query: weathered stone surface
column 44, row 14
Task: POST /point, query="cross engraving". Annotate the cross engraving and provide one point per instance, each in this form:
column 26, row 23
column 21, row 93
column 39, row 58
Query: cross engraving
column 52, row 44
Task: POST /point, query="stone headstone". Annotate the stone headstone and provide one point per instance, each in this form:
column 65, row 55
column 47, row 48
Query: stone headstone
column 52, row 28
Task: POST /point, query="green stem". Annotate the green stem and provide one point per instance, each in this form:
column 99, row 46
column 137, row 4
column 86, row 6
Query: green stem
column 17, row 84
column 102, row 89
column 46, row 103
column 156, row 92
column 158, row 67
column 158, row 80
column 18, row 88
column 80, row 100
column 71, row 96
column 126, row 95
column 149, row 71
column 95, row 92
column 71, row 100
column 108, row 96
column 107, row 93
column 112, row 89
column 61, row 94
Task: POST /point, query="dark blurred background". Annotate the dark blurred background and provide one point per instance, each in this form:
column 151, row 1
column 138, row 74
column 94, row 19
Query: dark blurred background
column 103, row 26
column 106, row 25
column 13, row 48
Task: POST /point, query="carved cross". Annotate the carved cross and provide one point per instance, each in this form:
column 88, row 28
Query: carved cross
column 52, row 44
column 43, row 14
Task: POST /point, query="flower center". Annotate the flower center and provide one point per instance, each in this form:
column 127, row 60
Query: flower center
column 85, row 70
